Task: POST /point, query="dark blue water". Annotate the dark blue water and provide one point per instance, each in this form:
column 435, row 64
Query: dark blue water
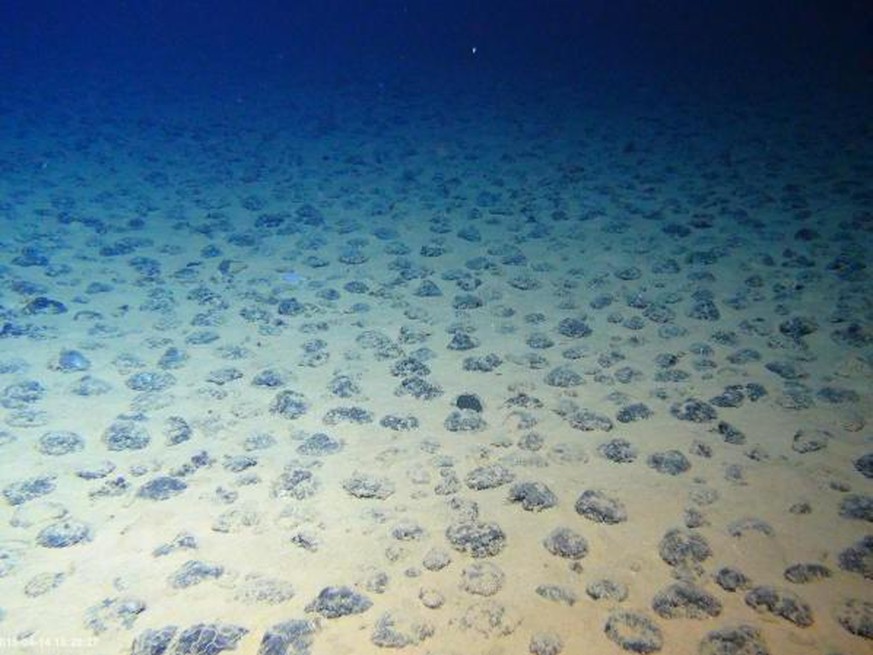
column 481, row 42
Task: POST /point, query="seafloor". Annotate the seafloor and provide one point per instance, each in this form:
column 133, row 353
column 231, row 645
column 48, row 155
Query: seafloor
column 287, row 370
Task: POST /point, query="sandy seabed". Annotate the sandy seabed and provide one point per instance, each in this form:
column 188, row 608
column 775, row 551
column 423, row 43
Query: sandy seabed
column 341, row 376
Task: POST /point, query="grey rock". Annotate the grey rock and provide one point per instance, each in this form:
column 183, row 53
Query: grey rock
column 431, row 598
column 388, row 634
column 29, row 417
column 606, row 589
column 670, row 462
column 162, row 488
column 449, row 484
column 177, row 430
column 62, row 534
column 780, row 602
column 858, row 507
column 539, row 341
column 114, row 613
column 856, row 616
column 864, row 465
column 704, row 309
column 531, row 441
column 60, row 442
column 694, row 410
column 798, row 327
column 173, row 358
column 478, row 538
column 23, row 491
column 293, row 637
column 306, row 541
column 786, row 370
column 574, row 328
column 731, row 434
column 151, row 381
column 533, row 496
column 566, row 543
column 634, row 412
column 21, row 394
column 88, row 385
column 259, row 441
column 154, row 642
column 837, row 395
column 182, row 541
column 489, row 619
column 225, row 375
column 858, row 558
column 597, row 506
column 524, row 401
column 563, row 377
column 482, row 579
column 683, row 600
column 96, row 472
column 238, row 463
column 483, row 364
column 428, row 289
column 40, row 584
column 269, row 378
column 378, row 581
column 464, row 508
column 684, row 549
column 462, row 341
column 744, row 356
column 126, row 435
column 854, row 335
column 589, row 421
column 193, row 572
column 618, row 450
column 467, row 301
column 545, row 643
column 464, row 420
column 739, row 640
column 319, row 444
column 634, row 632
column 334, row 602
column 732, row 396
column 469, row 401
column 366, row 485
column 746, row 524
column 408, row 530
column 256, row 588
column 399, row 423
column 694, row 518
column 207, row 639
column 71, row 361
column 489, row 476
column 351, row 414
column 420, row 388
column 289, row 404
column 436, row 559
column 805, row 573
column 557, row 594
column 732, row 579
column 810, row 440
column 296, row 483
